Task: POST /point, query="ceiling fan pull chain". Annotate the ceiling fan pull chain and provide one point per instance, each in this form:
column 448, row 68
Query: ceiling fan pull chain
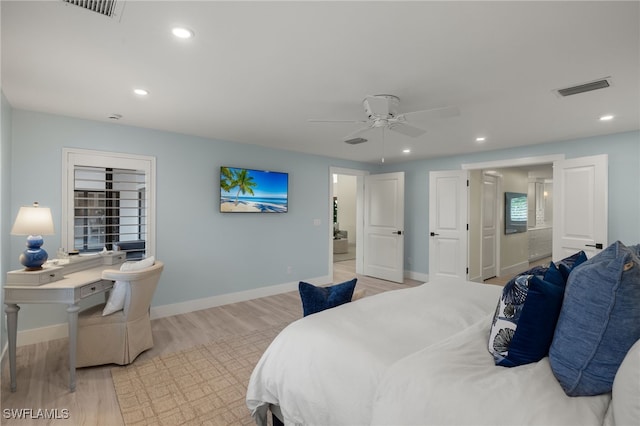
column 383, row 145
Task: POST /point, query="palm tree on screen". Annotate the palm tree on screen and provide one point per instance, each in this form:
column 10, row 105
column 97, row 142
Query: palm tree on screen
column 226, row 179
column 244, row 182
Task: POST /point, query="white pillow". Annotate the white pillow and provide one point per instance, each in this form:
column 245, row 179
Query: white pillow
column 116, row 298
column 135, row 266
column 121, row 288
column 625, row 399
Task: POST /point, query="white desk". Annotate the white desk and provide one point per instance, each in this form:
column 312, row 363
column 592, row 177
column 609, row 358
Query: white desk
column 75, row 281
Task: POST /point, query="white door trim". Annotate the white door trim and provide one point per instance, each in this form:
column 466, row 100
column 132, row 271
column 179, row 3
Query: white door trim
column 513, row 162
column 496, row 224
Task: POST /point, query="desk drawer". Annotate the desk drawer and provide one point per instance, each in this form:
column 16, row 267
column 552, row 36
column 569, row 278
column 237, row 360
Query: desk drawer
column 43, row 276
column 93, row 288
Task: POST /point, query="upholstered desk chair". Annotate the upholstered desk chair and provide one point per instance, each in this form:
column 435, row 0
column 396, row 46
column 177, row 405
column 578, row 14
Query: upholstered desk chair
column 120, row 337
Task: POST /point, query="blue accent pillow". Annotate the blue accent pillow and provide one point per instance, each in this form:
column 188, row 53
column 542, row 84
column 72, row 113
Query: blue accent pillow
column 316, row 299
column 599, row 321
column 526, row 317
column 568, row 264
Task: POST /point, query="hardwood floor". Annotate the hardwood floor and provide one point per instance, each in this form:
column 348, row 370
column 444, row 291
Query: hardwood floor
column 42, row 368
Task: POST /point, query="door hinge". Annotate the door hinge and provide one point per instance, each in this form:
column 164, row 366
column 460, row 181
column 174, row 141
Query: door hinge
column 467, row 271
column 467, row 226
column 467, row 182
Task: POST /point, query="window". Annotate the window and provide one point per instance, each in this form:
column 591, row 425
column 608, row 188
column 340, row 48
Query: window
column 108, row 200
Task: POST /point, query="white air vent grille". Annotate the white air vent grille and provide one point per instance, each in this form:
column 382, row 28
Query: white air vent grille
column 109, row 8
column 585, row 87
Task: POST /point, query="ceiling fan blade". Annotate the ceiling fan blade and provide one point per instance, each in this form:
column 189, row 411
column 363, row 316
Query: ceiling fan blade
column 311, row 120
column 407, row 129
column 357, row 133
column 444, row 112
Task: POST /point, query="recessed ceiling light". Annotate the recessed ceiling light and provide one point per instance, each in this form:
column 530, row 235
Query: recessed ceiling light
column 481, row 139
column 606, row 117
column 140, row 92
column 115, row 116
column 406, row 151
column 182, row 32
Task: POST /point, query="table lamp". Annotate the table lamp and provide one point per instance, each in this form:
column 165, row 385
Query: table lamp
column 33, row 221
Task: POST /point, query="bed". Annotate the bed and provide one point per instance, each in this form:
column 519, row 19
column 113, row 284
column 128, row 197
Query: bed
column 419, row 356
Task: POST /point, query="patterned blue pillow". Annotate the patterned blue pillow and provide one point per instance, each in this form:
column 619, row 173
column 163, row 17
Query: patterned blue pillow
column 316, row 299
column 599, row 321
column 526, row 317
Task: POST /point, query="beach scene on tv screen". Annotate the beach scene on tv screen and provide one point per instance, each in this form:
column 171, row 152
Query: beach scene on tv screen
column 253, row 191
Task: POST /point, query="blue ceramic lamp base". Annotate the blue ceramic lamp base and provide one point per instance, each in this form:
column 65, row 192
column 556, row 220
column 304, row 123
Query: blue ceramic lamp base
column 34, row 257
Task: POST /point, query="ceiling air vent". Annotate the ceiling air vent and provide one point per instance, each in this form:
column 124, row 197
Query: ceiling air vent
column 109, row 8
column 585, row 87
column 355, row 141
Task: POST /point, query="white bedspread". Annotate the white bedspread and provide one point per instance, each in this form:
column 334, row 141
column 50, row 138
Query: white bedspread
column 325, row 368
column 455, row 382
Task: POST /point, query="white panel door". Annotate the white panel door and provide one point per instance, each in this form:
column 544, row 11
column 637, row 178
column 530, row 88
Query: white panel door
column 580, row 206
column 489, row 225
column 448, row 199
column 384, row 226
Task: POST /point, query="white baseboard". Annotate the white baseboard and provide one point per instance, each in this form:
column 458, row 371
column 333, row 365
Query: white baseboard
column 514, row 269
column 418, row 276
column 42, row 334
column 59, row 331
column 225, row 299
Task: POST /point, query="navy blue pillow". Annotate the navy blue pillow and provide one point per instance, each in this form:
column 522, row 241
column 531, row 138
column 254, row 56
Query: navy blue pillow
column 599, row 321
column 526, row 317
column 554, row 276
column 537, row 324
column 316, row 299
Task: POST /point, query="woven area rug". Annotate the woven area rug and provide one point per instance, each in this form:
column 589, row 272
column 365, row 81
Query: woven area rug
column 204, row 385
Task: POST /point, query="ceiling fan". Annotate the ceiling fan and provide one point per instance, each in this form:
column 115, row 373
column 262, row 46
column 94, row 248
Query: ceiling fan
column 382, row 112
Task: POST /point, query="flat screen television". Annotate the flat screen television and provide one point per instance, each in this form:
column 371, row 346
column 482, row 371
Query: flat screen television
column 253, row 191
column 515, row 212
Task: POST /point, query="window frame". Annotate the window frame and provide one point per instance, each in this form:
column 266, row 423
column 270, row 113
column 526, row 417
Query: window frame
column 72, row 157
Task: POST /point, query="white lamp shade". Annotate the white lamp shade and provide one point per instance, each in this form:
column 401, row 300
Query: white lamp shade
column 33, row 221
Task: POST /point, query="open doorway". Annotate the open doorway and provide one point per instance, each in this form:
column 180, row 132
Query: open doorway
column 344, row 217
column 497, row 248
column 348, row 191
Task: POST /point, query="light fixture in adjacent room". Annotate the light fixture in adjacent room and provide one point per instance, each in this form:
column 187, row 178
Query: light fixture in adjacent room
column 35, row 222
column 606, row 117
column 481, row 139
column 182, row 32
column 140, row 92
column 406, row 151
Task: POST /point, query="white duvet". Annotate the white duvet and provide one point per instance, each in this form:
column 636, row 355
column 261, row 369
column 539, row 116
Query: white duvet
column 325, row 368
column 416, row 356
column 455, row 382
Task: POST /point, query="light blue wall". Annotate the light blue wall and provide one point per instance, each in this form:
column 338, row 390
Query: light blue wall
column 5, row 202
column 206, row 253
column 623, row 150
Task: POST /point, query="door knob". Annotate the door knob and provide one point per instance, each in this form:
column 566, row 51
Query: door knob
column 433, row 234
column 397, row 232
column 596, row 245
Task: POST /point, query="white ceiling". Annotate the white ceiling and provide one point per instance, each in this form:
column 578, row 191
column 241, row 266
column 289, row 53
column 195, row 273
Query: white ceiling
column 255, row 72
